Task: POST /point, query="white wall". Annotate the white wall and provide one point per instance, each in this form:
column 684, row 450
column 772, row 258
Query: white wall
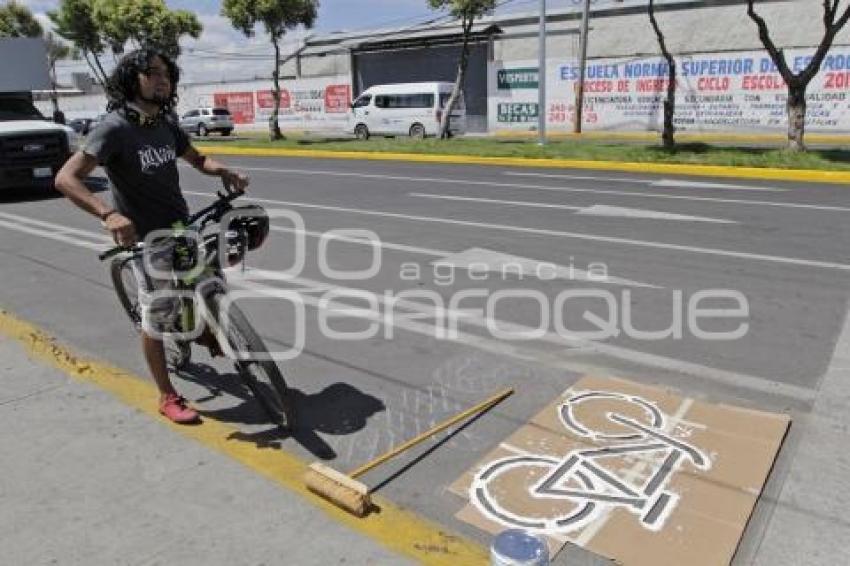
column 730, row 91
column 318, row 104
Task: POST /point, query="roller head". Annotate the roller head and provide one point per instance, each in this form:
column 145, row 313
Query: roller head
column 338, row 488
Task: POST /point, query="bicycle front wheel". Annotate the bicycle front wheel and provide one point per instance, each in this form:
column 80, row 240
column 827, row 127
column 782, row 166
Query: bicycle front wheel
column 257, row 369
column 178, row 353
column 127, row 289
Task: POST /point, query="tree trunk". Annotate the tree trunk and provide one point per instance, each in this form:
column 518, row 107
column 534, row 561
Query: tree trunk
column 797, row 84
column 274, row 128
column 94, row 71
column 796, row 107
column 53, row 96
column 103, row 76
column 458, row 86
column 668, row 133
column 668, row 130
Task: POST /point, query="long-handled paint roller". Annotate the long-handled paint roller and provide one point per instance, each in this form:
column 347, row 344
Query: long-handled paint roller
column 346, row 492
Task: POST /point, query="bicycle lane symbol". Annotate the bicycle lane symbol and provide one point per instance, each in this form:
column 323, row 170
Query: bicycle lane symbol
column 569, row 493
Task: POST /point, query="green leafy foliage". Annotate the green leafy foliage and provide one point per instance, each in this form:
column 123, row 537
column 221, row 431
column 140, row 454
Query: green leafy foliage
column 17, row 21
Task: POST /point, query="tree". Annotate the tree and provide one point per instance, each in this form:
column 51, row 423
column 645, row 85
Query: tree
column 93, row 26
column 18, row 21
column 148, row 23
column 277, row 16
column 467, row 11
column 55, row 50
column 74, row 21
column 797, row 83
column 668, row 132
column 165, row 28
column 113, row 23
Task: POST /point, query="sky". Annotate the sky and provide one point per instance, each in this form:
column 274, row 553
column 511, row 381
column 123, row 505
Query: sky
column 209, row 58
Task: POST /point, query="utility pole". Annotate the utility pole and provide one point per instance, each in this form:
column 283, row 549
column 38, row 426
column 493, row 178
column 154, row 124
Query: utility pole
column 541, row 77
column 585, row 16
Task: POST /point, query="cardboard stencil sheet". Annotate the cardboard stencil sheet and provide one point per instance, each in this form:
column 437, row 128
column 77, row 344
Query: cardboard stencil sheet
column 631, row 472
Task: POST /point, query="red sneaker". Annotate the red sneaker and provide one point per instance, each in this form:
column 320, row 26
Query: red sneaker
column 177, row 409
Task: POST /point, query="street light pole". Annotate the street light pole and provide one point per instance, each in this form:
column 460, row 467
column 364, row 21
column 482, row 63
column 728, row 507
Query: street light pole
column 585, row 16
column 541, row 77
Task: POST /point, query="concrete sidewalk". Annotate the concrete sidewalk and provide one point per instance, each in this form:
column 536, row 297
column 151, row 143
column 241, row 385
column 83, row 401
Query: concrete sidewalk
column 88, row 480
column 809, row 524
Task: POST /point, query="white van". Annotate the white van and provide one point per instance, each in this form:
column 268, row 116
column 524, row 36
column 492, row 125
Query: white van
column 406, row 109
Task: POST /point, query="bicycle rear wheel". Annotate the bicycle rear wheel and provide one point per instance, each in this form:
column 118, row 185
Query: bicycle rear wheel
column 259, row 372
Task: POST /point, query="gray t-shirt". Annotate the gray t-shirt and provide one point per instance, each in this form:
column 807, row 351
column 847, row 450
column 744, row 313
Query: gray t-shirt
column 140, row 162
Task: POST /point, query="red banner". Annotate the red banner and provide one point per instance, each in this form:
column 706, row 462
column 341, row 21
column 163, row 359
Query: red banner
column 337, row 99
column 240, row 104
column 265, row 99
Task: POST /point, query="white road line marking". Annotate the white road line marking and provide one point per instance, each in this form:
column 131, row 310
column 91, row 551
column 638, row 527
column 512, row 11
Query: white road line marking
column 465, row 338
column 495, row 260
column 576, row 344
column 384, row 244
column 102, row 237
column 676, row 183
column 575, row 177
column 622, row 212
column 594, row 210
column 562, row 234
column 311, row 286
column 494, row 346
column 58, row 236
column 656, row 183
column 502, row 263
column 496, row 201
column 470, row 182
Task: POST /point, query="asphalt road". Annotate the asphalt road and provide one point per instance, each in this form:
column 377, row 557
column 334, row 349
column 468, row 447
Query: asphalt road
column 774, row 255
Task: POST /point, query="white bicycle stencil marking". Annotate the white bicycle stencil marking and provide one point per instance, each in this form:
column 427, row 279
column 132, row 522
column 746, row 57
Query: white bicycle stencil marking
column 568, row 493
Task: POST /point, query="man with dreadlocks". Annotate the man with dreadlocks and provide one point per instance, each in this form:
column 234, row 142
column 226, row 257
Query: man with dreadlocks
column 137, row 143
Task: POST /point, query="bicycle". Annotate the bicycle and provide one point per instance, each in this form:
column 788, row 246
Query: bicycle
column 199, row 255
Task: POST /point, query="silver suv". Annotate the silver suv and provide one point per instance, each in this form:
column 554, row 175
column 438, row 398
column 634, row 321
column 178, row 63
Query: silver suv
column 202, row 121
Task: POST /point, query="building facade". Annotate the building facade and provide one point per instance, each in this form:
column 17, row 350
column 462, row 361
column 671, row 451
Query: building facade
column 726, row 80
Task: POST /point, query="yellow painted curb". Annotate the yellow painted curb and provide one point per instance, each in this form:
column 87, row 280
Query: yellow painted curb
column 395, row 528
column 772, row 174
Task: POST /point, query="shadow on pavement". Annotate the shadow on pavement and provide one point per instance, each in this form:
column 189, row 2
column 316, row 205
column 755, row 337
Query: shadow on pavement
column 338, row 409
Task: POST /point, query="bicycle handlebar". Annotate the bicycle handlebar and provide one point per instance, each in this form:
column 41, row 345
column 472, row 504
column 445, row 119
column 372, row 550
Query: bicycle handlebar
column 223, row 200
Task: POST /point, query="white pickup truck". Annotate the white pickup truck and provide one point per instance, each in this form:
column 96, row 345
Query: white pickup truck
column 32, row 149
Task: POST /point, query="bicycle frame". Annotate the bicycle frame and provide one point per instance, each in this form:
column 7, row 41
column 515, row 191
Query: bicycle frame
column 208, row 256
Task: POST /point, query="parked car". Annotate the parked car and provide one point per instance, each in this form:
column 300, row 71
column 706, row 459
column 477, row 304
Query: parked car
column 84, row 126
column 202, row 121
column 406, row 109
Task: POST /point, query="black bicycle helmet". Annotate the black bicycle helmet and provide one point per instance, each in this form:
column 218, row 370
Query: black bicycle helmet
column 253, row 221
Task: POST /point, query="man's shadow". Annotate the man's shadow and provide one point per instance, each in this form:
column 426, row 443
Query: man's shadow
column 338, row 409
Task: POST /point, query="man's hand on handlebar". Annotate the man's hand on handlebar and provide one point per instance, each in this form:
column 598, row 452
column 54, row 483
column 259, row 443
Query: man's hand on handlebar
column 121, row 228
column 234, row 181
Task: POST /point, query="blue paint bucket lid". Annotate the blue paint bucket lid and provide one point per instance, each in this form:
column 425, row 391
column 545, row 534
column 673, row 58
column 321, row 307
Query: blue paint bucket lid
column 516, row 547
